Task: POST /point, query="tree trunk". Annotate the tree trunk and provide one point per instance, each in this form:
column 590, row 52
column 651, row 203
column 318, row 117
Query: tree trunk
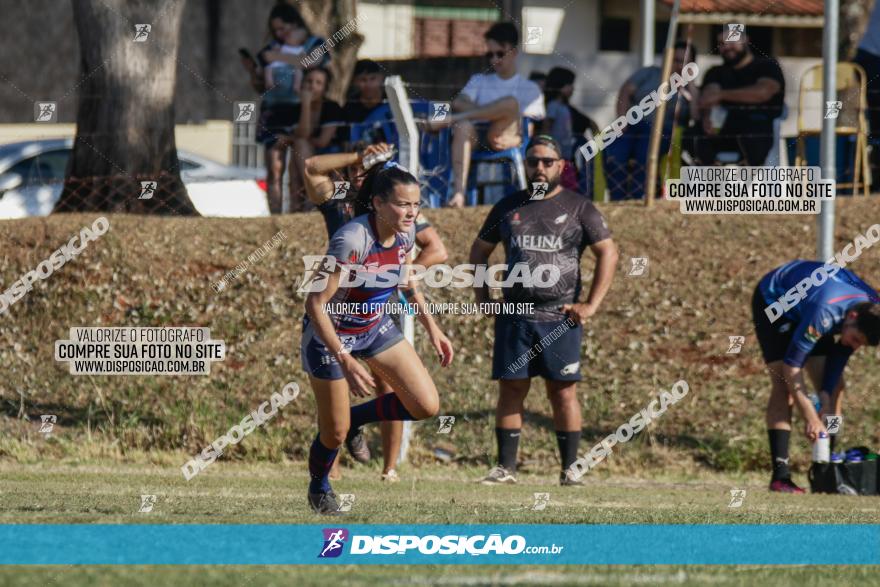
column 125, row 116
column 325, row 18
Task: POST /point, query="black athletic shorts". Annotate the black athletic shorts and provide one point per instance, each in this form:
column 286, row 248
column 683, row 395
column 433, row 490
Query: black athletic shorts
column 775, row 337
column 526, row 348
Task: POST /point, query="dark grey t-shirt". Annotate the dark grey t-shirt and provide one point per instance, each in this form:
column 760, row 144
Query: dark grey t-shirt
column 553, row 231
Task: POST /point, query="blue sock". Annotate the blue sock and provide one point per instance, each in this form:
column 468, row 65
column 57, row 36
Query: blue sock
column 320, row 462
column 385, row 407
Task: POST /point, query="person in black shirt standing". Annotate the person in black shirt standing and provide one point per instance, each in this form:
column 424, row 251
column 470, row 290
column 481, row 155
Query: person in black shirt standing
column 551, row 227
column 739, row 101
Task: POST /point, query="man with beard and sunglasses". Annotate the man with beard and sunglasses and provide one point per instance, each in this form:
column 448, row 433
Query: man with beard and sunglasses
column 751, row 91
column 501, row 99
column 543, row 225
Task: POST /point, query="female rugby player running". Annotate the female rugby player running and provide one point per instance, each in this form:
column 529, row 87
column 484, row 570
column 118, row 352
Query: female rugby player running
column 322, row 172
column 332, row 342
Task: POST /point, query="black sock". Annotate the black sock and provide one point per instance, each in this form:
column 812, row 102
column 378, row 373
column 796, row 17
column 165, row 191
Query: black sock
column 508, row 444
column 832, row 440
column 779, row 453
column 568, row 446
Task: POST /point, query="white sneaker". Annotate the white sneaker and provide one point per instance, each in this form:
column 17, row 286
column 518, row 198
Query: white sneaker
column 567, row 478
column 391, row 476
column 498, row 475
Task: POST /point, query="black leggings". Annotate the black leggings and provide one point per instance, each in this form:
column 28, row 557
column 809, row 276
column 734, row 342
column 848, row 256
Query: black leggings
column 705, row 147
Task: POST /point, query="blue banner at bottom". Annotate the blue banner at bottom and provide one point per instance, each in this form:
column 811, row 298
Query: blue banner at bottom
column 205, row 544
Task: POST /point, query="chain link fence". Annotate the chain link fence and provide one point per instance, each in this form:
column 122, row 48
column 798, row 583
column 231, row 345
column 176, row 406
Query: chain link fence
column 616, row 173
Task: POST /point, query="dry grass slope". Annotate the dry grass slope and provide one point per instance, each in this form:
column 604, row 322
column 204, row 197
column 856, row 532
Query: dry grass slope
column 671, row 324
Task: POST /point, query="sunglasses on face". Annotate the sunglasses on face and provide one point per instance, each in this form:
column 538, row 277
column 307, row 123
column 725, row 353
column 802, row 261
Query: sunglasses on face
column 545, row 161
column 495, row 54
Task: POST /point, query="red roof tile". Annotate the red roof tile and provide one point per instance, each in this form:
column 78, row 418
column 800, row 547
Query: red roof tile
column 755, row 7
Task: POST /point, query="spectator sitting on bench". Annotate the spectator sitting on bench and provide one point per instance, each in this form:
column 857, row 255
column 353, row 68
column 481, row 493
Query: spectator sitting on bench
column 369, row 81
column 633, row 145
column 738, row 102
column 319, row 120
column 501, row 98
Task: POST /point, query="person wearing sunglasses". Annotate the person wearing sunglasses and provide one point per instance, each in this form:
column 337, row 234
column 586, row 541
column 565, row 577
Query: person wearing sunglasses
column 501, row 99
column 540, row 226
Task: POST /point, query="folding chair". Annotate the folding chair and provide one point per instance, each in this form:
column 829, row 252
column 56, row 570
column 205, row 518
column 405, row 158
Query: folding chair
column 515, row 156
column 851, row 122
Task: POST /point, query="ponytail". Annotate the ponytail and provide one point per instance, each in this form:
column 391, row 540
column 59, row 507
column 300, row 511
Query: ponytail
column 380, row 181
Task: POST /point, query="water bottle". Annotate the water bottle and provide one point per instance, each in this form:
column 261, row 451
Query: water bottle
column 822, row 449
column 836, row 458
column 717, row 117
column 374, row 158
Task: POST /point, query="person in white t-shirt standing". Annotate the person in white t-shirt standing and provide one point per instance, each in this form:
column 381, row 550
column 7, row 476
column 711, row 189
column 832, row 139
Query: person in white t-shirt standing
column 501, row 98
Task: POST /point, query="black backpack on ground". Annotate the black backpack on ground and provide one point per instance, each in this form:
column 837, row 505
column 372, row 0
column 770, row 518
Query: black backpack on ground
column 845, row 478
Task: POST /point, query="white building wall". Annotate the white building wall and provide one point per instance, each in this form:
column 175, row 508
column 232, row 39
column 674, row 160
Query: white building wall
column 570, row 39
column 600, row 75
column 387, row 30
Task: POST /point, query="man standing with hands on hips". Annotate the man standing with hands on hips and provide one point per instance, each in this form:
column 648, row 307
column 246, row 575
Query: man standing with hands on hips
column 543, row 225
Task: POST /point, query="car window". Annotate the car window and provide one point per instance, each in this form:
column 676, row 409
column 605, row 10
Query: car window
column 187, row 165
column 48, row 167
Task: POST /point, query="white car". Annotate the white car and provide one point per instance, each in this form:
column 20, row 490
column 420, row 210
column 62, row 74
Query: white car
column 32, row 177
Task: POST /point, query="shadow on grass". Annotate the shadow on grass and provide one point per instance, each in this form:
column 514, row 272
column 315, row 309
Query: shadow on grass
column 714, row 452
column 73, row 416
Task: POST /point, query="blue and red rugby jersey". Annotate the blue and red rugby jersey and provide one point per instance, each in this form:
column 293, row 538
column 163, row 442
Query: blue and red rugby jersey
column 820, row 314
column 356, row 246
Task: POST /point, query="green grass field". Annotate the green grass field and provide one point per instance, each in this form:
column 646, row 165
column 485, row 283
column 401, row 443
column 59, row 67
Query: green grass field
column 236, row 493
column 257, row 494
column 258, row 576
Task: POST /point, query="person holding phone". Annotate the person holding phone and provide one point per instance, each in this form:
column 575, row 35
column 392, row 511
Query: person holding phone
column 275, row 74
